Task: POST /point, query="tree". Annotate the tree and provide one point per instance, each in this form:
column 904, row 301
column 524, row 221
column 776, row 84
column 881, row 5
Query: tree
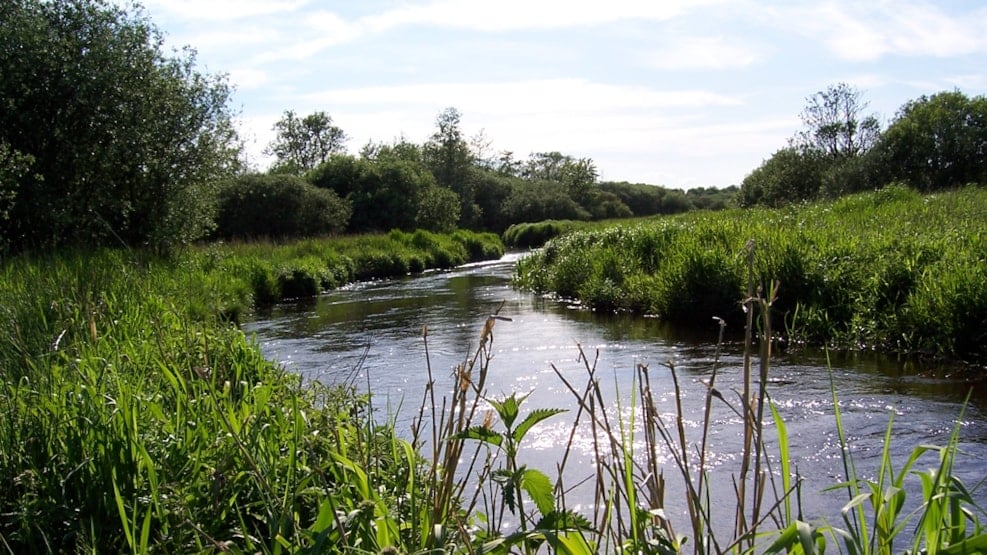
column 835, row 124
column 438, row 209
column 387, row 193
column 302, row 144
column 791, row 175
column 937, row 142
column 577, row 175
column 826, row 158
column 127, row 144
column 449, row 158
column 400, row 149
column 535, row 201
column 280, row 207
column 491, row 190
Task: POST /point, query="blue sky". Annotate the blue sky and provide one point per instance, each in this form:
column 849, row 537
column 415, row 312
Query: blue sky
column 673, row 93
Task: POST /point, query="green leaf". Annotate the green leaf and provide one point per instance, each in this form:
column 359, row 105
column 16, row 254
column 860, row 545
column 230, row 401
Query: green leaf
column 564, row 520
column 480, row 433
column 533, row 418
column 539, row 488
column 975, row 544
column 508, row 409
column 856, row 501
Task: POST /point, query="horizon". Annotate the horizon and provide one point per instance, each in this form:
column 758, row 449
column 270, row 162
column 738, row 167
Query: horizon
column 678, row 94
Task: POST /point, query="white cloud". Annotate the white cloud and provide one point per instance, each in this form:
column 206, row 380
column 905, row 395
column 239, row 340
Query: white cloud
column 530, row 14
column 222, row 10
column 865, row 31
column 247, row 78
column 524, row 97
column 703, row 53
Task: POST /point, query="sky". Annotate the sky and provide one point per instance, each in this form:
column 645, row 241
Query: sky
column 667, row 92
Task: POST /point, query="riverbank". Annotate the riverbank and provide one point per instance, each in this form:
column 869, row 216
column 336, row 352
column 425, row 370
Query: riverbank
column 136, row 418
column 889, row 270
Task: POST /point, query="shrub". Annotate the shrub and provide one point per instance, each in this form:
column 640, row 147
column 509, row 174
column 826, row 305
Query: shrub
column 280, row 207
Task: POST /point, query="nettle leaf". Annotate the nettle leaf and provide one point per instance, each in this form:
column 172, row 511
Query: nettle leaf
column 533, row 418
column 539, row 488
column 564, row 520
column 480, row 433
column 507, row 409
column 507, row 483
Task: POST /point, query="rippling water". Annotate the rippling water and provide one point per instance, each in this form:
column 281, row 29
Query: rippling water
column 371, row 334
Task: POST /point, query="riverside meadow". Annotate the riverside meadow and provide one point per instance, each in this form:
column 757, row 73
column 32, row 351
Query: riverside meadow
column 139, row 418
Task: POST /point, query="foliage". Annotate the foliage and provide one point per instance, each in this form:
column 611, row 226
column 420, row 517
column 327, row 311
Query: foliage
column 534, row 235
column 127, row 143
column 832, row 156
column 301, row 144
column 946, row 523
column 491, row 190
column 937, row 142
column 447, row 155
column 882, row 270
column 15, row 172
column 791, row 175
column 134, row 422
column 541, row 200
column 438, row 210
column 712, row 198
column 835, row 125
column 278, row 207
column 577, row 176
column 388, row 192
column 649, row 200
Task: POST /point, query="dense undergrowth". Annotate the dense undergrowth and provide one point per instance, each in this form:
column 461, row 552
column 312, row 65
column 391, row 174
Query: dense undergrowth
column 134, row 416
column 890, row 270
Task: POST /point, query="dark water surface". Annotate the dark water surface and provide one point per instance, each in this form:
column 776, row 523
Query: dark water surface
column 371, row 334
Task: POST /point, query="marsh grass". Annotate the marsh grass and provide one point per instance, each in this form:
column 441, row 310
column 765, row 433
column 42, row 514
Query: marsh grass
column 135, row 419
column 889, row 270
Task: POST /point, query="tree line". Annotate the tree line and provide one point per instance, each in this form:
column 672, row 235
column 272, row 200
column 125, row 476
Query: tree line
column 933, row 143
column 106, row 138
column 446, row 182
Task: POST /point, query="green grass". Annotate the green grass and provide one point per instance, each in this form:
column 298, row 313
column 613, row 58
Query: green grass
column 889, row 270
column 135, row 417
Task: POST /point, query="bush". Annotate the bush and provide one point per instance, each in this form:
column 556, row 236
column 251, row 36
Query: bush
column 533, row 235
column 888, row 269
column 279, row 207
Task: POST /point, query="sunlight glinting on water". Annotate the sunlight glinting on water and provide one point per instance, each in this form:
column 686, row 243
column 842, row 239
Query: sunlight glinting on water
column 370, row 335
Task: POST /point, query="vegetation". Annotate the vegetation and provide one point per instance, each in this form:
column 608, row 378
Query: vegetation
column 137, row 417
column 278, row 206
column 103, row 137
column 136, row 421
column 301, row 144
column 934, row 143
column 885, row 270
column 534, row 235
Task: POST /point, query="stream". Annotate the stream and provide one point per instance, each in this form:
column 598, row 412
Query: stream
column 370, row 334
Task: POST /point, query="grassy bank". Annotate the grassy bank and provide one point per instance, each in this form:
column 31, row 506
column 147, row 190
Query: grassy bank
column 136, row 418
column 889, row 270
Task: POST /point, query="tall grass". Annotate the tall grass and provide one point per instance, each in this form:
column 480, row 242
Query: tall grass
column 890, row 270
column 136, row 418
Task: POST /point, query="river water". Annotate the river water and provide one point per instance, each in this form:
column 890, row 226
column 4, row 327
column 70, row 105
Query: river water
column 370, row 334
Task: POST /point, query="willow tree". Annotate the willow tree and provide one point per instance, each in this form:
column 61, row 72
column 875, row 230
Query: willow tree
column 126, row 141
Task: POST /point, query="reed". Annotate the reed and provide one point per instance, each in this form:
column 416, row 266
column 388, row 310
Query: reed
column 889, row 270
column 136, row 418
